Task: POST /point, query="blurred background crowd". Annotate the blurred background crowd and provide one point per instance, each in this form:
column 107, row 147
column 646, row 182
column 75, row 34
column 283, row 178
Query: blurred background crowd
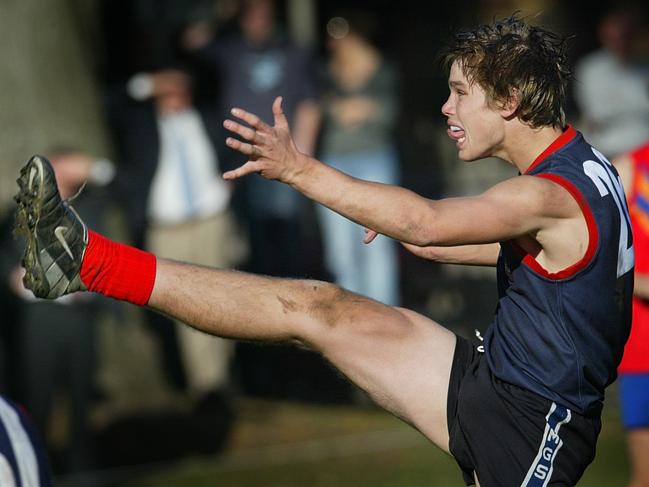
column 127, row 97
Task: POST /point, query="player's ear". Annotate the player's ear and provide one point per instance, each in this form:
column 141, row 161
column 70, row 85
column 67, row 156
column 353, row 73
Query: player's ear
column 509, row 107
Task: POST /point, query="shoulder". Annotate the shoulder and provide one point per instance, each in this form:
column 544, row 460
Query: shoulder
column 594, row 58
column 593, row 63
column 524, row 185
column 624, row 165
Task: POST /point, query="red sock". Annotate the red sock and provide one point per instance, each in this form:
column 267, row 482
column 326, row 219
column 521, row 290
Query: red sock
column 117, row 270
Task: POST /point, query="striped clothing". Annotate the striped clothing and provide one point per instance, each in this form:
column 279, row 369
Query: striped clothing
column 23, row 460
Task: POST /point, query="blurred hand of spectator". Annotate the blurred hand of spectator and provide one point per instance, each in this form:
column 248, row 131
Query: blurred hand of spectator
column 200, row 34
column 353, row 111
column 72, row 171
column 197, row 36
column 170, row 88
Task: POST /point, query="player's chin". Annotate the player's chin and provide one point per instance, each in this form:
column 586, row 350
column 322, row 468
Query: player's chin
column 467, row 153
column 467, row 156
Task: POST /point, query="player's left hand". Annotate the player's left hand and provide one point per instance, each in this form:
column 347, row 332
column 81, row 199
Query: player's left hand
column 271, row 150
column 370, row 235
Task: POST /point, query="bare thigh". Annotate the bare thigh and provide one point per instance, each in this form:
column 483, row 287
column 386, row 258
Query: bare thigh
column 400, row 358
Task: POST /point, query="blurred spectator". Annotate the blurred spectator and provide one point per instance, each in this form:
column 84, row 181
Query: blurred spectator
column 179, row 205
column 23, row 460
column 252, row 67
column 360, row 115
column 634, row 368
column 56, row 340
column 612, row 86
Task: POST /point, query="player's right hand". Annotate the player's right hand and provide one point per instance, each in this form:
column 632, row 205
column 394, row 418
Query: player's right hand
column 271, row 150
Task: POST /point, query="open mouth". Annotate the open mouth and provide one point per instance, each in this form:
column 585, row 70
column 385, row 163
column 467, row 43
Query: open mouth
column 456, row 133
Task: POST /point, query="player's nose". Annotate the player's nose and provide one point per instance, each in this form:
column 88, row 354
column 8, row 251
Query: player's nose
column 448, row 108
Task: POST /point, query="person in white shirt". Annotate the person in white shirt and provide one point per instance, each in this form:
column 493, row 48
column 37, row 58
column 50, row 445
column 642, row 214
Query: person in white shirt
column 612, row 87
column 187, row 208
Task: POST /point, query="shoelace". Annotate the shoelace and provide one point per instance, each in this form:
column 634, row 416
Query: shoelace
column 79, row 191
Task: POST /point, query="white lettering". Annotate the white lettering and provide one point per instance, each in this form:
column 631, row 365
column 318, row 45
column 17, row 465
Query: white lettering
column 553, row 436
column 547, row 453
column 541, row 471
column 606, row 183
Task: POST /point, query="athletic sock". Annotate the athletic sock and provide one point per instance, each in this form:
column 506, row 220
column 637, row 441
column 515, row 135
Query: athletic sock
column 117, row 270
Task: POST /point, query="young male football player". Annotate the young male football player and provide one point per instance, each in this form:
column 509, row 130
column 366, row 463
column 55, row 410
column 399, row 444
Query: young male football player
column 524, row 412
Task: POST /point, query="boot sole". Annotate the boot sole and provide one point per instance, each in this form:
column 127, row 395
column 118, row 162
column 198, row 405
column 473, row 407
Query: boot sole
column 28, row 213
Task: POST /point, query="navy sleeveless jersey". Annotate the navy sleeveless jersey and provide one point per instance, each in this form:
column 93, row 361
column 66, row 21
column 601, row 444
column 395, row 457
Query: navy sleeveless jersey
column 23, row 461
column 561, row 335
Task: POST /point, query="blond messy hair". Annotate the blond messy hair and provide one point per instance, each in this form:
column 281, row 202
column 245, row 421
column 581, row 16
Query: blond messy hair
column 511, row 59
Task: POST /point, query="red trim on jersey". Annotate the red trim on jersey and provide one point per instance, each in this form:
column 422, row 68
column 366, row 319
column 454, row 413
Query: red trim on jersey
column 568, row 134
column 593, row 235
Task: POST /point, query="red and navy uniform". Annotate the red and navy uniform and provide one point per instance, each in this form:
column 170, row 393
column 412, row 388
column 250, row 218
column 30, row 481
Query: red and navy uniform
column 532, row 400
column 562, row 335
column 634, row 368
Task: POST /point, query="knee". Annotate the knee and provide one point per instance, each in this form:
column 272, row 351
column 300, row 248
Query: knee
column 323, row 307
column 335, row 312
column 304, row 303
column 326, row 302
column 333, row 307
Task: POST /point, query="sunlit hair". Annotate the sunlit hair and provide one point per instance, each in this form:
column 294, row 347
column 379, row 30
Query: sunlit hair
column 511, row 58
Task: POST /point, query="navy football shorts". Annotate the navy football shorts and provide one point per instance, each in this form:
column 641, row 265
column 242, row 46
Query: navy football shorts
column 634, row 400
column 511, row 436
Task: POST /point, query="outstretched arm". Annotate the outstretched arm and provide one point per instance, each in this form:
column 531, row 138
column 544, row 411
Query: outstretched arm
column 479, row 255
column 515, row 207
column 274, row 154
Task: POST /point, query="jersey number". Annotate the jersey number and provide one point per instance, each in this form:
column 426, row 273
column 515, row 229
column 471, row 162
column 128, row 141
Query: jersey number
column 607, row 183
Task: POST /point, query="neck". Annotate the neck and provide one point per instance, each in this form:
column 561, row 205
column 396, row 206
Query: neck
column 525, row 144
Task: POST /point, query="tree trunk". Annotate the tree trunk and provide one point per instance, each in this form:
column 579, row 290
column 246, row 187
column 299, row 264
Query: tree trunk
column 49, row 96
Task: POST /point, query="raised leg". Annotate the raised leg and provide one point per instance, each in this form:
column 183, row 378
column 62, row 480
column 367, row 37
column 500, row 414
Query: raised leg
column 400, row 358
